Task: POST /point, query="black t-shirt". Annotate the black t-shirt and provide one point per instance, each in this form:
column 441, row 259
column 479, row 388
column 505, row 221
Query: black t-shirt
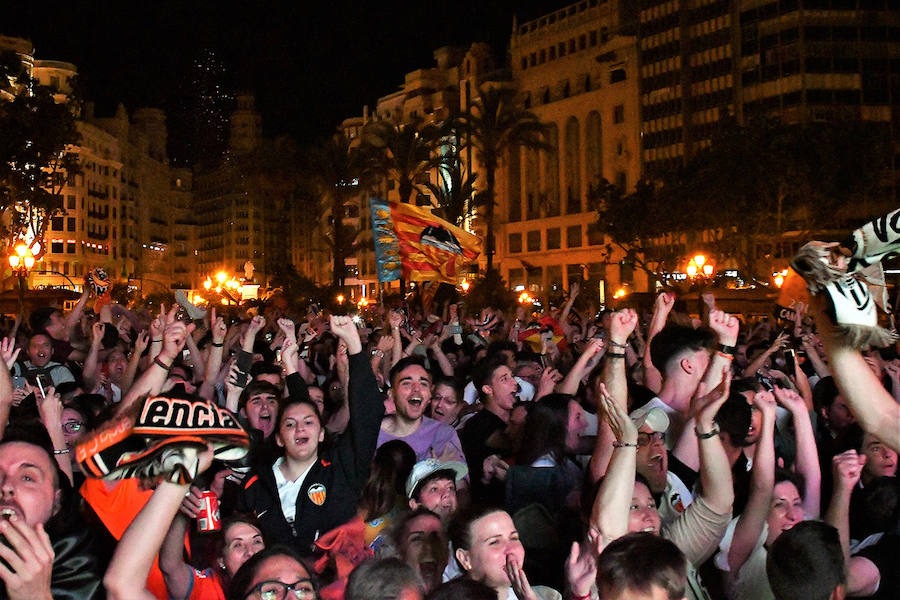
column 885, row 556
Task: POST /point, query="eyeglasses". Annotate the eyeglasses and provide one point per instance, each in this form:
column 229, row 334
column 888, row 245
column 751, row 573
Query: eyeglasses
column 276, row 590
column 72, row 426
column 645, row 439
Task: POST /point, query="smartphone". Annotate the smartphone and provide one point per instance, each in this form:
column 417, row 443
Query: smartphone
column 455, row 329
column 546, row 361
column 241, row 379
column 790, row 361
column 765, row 381
column 19, row 382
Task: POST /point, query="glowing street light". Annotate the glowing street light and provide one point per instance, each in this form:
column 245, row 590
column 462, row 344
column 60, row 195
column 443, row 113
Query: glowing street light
column 465, row 285
column 699, row 265
column 340, row 298
column 221, row 276
column 620, row 293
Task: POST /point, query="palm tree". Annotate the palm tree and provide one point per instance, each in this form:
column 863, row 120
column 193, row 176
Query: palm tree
column 454, row 191
column 402, row 153
column 335, row 171
column 494, row 124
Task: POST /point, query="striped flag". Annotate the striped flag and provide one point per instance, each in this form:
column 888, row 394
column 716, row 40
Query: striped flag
column 412, row 242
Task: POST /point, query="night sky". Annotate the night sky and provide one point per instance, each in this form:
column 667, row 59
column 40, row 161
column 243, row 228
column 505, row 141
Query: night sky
column 310, row 64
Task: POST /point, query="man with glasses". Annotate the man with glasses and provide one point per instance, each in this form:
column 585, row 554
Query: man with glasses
column 671, row 494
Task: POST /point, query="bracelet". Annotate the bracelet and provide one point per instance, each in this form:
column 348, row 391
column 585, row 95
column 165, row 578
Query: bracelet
column 725, row 349
column 617, row 344
column 159, row 341
column 215, row 345
column 615, row 355
column 724, row 355
column 161, row 364
column 709, row 434
column 378, row 353
column 58, row 452
column 618, row 444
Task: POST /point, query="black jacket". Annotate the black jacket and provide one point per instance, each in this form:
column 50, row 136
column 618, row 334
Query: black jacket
column 341, row 471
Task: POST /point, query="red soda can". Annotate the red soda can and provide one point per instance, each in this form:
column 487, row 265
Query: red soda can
column 208, row 518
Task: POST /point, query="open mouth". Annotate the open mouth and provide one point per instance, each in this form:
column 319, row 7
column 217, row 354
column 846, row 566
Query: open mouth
column 7, row 513
column 301, row 441
column 415, row 401
column 428, row 569
column 650, row 529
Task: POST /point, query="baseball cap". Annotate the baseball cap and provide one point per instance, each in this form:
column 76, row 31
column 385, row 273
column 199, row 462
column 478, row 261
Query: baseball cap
column 430, row 466
column 653, row 417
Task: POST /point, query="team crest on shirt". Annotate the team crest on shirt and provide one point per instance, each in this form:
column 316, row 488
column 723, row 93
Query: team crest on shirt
column 316, row 493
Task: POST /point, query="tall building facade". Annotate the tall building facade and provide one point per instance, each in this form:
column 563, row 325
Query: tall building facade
column 242, row 204
column 579, row 75
column 125, row 211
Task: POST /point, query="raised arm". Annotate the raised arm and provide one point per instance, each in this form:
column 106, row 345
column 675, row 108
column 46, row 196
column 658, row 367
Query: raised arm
column 621, row 325
column 140, row 344
column 218, row 330
column 780, row 342
column 396, row 319
column 762, row 481
column 139, row 545
column 357, row 444
column 8, row 354
column 74, row 315
column 863, row 577
column 715, row 469
column 154, row 377
column 807, row 462
column 90, row 363
column 874, row 408
column 573, row 294
column 569, row 384
column 661, row 309
column 609, row 514
column 726, row 328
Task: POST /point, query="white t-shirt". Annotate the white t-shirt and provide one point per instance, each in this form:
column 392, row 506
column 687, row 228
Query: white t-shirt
column 288, row 490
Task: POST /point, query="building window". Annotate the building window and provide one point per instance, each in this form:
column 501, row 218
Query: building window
column 534, row 241
column 572, row 46
column 515, row 243
column 552, row 53
column 56, row 224
column 593, row 39
column 70, row 202
column 56, row 247
column 553, row 238
column 70, row 224
column 70, row 247
column 617, row 75
column 573, row 236
column 619, row 113
column 524, row 63
column 561, row 48
column 582, row 42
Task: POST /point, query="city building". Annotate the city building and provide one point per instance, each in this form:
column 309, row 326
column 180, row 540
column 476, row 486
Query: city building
column 243, row 202
column 127, row 210
column 580, row 77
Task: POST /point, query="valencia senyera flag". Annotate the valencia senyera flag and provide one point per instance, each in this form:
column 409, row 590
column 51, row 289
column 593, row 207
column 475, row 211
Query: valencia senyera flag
column 413, row 243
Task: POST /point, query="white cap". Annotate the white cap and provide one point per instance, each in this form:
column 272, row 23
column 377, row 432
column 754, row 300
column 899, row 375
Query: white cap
column 653, row 417
column 425, row 468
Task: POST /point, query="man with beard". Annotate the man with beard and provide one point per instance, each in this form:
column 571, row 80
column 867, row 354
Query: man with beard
column 411, row 394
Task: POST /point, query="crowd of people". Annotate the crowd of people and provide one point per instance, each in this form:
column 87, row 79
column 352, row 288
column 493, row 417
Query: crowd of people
column 404, row 452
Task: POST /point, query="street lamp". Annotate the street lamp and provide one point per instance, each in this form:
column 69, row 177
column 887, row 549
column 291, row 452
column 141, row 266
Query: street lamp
column 21, row 259
column 699, row 266
column 465, row 285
